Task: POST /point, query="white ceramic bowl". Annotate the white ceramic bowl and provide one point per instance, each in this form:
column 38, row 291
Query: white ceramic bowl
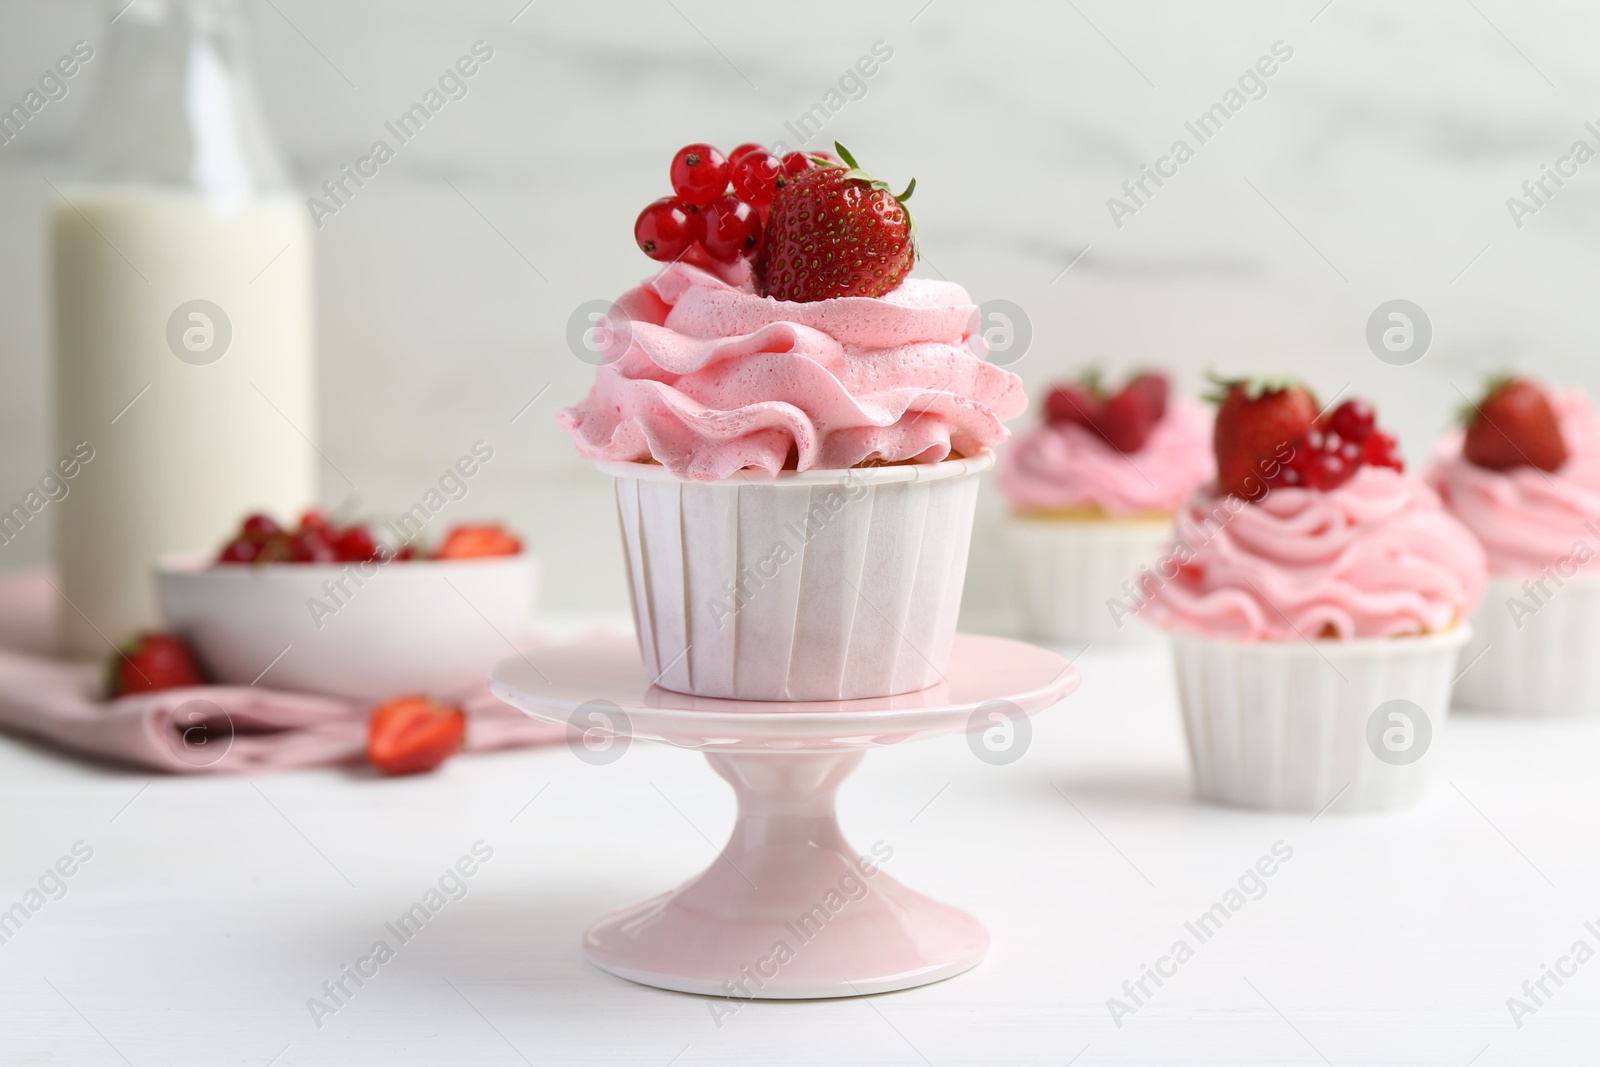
column 430, row 626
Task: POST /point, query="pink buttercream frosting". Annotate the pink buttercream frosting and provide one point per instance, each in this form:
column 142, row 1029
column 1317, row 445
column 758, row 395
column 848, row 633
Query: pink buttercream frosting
column 716, row 379
column 1063, row 466
column 1377, row 557
column 1528, row 518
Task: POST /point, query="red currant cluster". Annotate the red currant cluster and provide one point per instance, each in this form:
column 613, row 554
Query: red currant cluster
column 316, row 540
column 1335, row 447
column 720, row 202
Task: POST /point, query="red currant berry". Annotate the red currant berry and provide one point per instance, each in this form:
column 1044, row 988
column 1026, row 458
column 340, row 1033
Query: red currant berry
column 1380, row 450
column 742, row 151
column 313, row 519
column 309, row 546
column 239, row 551
column 1296, row 471
column 666, row 229
column 757, row 176
column 1353, row 420
column 732, row 229
column 1321, row 459
column 257, row 528
column 354, row 544
column 699, row 174
column 1333, row 470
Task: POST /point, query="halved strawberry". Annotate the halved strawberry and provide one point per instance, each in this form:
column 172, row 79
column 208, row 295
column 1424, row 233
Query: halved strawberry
column 150, row 662
column 1513, row 426
column 412, row 734
column 1257, row 423
column 836, row 231
column 472, row 540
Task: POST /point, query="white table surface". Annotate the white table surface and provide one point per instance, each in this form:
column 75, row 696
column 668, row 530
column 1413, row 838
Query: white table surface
column 213, row 908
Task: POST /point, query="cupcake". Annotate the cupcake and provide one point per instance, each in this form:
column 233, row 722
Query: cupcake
column 1093, row 490
column 796, row 428
column 1523, row 474
column 1317, row 598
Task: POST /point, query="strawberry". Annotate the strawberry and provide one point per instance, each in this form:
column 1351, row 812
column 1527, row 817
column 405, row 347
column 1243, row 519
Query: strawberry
column 1133, row 412
column 150, row 662
column 1078, row 402
column 836, row 231
column 1125, row 418
column 1258, row 422
column 1514, row 426
column 412, row 734
column 471, row 541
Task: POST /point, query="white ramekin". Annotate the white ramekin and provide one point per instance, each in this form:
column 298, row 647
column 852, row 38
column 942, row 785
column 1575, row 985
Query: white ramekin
column 1534, row 654
column 1070, row 575
column 1284, row 725
column 821, row 585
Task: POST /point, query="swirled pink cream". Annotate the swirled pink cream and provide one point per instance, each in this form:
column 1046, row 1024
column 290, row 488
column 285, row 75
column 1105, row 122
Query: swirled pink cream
column 1377, row 557
column 1063, row 466
column 1526, row 518
column 716, row 379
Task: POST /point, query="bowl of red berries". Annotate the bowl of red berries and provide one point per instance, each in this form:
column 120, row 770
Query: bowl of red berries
column 330, row 607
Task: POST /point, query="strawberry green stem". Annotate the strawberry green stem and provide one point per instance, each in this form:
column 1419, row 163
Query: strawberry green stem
column 855, row 172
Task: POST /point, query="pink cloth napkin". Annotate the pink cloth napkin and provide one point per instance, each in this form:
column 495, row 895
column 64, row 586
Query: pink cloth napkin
column 211, row 729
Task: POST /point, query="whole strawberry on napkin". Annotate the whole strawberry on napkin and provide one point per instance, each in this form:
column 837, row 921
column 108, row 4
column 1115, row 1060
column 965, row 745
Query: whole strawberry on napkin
column 152, row 708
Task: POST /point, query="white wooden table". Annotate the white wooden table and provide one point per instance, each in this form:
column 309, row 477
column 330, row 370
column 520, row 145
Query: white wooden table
column 213, row 909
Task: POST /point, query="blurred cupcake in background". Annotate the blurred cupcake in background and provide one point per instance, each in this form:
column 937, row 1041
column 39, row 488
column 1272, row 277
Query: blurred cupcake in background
column 1317, row 599
column 1093, row 490
column 1523, row 473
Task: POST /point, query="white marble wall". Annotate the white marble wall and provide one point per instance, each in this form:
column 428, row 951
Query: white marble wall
column 1376, row 166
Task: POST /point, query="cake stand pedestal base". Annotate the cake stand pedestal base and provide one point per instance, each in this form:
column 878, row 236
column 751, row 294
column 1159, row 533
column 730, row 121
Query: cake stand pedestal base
column 788, row 910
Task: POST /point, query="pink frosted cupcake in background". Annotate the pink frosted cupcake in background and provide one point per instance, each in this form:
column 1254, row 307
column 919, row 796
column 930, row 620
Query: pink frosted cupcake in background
column 1523, row 474
column 1317, row 599
column 796, row 429
column 1093, row 490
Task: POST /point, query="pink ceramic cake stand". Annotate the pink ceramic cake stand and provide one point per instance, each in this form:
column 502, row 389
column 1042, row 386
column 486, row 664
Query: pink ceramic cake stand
column 789, row 910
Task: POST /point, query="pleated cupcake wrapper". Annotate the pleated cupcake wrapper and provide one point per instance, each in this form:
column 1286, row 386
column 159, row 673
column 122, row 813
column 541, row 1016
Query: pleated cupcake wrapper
column 1284, row 725
column 1068, row 571
column 1541, row 660
column 823, row 585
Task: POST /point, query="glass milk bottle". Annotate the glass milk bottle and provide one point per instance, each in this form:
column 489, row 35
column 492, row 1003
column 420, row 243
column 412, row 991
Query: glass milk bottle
column 183, row 315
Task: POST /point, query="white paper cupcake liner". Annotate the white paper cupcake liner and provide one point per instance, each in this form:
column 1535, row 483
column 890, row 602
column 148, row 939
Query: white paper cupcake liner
column 1069, row 571
column 822, row 585
column 1291, row 726
column 1534, row 654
